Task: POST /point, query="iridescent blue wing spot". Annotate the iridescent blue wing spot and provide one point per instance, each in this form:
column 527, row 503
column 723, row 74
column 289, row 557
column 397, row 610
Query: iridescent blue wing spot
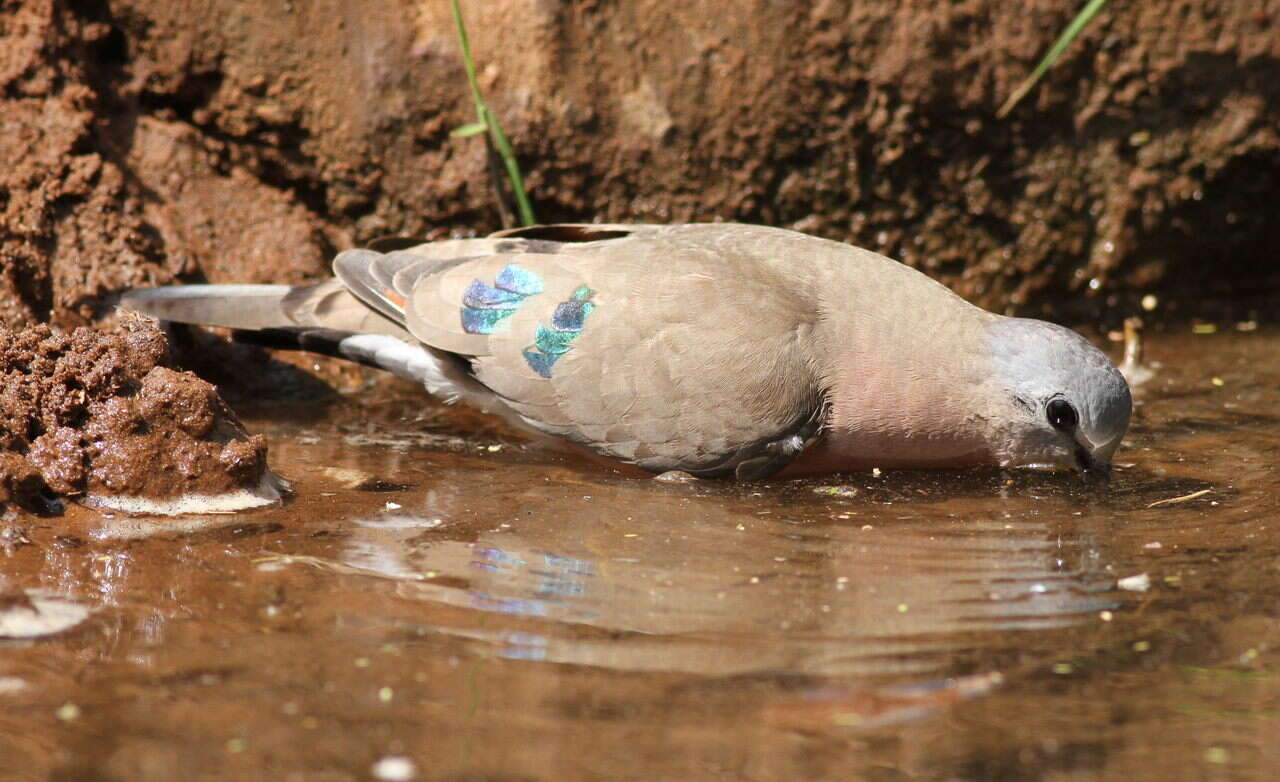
column 517, row 280
column 480, row 296
column 569, row 315
column 485, row 307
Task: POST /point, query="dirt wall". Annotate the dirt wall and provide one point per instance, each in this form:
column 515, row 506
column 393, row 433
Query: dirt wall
column 246, row 140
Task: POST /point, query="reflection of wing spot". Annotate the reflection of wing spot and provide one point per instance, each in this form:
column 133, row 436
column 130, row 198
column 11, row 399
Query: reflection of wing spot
column 549, row 344
column 485, row 307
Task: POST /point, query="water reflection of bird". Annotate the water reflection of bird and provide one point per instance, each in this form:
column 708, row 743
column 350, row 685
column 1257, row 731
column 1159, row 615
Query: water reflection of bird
column 711, row 348
column 641, row 581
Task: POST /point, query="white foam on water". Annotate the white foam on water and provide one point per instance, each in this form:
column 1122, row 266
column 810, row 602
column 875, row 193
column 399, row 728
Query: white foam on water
column 267, row 492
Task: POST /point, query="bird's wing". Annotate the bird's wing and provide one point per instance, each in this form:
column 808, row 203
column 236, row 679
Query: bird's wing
column 665, row 350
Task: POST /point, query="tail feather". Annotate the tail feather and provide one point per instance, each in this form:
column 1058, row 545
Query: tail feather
column 230, row 306
column 326, row 305
column 324, row 318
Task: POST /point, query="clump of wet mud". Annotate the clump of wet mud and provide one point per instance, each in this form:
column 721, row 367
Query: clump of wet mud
column 106, row 417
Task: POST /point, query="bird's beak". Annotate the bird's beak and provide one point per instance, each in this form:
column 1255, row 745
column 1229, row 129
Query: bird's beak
column 1088, row 461
column 1090, row 468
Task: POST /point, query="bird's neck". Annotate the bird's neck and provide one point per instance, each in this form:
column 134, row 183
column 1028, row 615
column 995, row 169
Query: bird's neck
column 907, row 389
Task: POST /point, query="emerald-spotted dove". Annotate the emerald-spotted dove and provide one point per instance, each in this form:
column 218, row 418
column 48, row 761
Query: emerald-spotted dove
column 710, row 348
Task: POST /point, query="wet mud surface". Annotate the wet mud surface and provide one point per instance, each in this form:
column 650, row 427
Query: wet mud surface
column 441, row 601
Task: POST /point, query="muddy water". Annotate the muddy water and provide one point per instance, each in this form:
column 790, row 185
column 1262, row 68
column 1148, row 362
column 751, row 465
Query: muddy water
column 438, row 604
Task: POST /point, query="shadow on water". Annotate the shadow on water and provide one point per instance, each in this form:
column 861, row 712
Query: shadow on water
column 442, row 591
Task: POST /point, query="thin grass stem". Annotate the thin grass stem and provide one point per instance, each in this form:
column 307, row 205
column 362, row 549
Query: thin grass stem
column 486, row 118
column 1068, row 36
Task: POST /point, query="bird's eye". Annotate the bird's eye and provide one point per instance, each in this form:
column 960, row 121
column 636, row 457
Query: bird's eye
column 1061, row 415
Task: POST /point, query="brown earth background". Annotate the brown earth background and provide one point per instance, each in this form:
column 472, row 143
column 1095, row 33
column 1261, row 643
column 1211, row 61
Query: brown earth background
column 145, row 142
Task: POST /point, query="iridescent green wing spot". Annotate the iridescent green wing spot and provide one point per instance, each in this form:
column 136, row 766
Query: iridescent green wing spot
column 550, row 343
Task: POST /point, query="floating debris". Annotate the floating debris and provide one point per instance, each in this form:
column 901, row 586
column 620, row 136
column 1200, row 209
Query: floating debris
column 675, row 476
column 68, row 712
column 836, row 491
column 1183, row 498
column 1138, row 583
column 394, row 768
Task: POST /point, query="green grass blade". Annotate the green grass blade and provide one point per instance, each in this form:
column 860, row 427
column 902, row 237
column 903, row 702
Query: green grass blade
column 486, row 118
column 1068, row 36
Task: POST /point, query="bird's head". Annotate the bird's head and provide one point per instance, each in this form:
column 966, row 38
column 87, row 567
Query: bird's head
column 1061, row 402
